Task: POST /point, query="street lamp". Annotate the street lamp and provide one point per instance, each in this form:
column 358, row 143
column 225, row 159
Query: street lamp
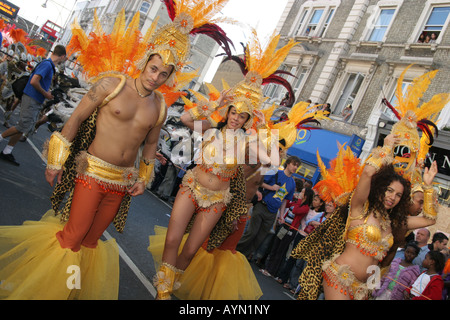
column 44, row 5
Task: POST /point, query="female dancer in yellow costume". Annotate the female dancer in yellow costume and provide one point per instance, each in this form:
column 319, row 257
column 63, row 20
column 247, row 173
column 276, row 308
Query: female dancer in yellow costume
column 205, row 190
column 345, row 250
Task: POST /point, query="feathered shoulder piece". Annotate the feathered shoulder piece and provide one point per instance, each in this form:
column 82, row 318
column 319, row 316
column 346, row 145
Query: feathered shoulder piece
column 99, row 52
column 341, row 178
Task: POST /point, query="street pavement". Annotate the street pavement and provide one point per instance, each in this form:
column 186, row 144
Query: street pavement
column 25, row 195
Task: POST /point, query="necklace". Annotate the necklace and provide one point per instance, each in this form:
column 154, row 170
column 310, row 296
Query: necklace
column 140, row 94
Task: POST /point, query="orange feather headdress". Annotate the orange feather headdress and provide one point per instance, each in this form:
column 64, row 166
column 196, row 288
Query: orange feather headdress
column 341, row 178
column 127, row 51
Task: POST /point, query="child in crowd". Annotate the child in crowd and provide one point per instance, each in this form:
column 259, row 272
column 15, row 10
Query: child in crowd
column 429, row 284
column 402, row 273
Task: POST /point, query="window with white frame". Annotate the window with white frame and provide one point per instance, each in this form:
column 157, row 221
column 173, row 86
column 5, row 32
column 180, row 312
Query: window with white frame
column 349, row 93
column 393, row 101
column 314, row 20
column 327, row 23
column 299, row 81
column 311, row 26
column 435, row 24
column 145, row 7
column 301, row 22
column 381, row 24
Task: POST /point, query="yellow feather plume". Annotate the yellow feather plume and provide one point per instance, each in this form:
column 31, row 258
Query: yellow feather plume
column 150, row 31
column 266, row 62
column 411, row 100
column 202, row 11
column 119, row 26
column 97, row 26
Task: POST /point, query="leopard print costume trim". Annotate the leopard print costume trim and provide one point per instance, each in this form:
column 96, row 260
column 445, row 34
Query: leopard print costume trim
column 322, row 244
column 235, row 209
column 82, row 141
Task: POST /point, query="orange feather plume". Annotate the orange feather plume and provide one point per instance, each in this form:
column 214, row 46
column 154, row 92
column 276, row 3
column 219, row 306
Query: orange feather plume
column 341, row 178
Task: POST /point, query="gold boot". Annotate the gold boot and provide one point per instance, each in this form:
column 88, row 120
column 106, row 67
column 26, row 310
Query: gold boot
column 177, row 284
column 165, row 279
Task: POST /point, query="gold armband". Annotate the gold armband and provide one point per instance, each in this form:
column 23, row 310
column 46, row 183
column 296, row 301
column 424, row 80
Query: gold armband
column 380, row 156
column 429, row 203
column 58, row 151
column 146, row 170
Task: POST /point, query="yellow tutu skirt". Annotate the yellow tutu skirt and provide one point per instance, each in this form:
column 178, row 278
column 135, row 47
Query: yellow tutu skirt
column 216, row 275
column 33, row 266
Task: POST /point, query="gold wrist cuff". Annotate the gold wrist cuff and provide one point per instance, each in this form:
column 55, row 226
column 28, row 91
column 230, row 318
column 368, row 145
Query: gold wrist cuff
column 58, row 151
column 146, row 170
column 429, row 203
column 380, row 156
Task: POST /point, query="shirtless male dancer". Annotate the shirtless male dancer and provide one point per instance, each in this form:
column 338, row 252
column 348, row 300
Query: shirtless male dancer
column 123, row 124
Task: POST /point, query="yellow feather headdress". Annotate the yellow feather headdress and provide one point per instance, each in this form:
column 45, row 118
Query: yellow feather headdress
column 189, row 17
column 260, row 67
column 414, row 117
column 102, row 54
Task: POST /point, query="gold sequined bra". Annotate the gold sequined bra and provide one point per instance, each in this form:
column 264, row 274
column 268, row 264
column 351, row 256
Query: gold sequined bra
column 367, row 238
column 224, row 166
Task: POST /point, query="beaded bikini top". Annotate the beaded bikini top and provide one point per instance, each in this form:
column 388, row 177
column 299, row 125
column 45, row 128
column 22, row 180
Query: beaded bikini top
column 367, row 237
column 220, row 158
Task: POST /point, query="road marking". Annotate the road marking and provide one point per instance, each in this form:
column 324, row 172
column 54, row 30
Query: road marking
column 289, row 295
column 168, row 205
column 147, row 284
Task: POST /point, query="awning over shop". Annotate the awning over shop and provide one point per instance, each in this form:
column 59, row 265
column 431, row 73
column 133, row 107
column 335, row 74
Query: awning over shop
column 309, row 141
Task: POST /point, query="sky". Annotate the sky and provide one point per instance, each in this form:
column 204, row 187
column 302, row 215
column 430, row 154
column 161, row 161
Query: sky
column 263, row 15
column 57, row 10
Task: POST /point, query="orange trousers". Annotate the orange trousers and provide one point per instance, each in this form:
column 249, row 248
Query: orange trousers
column 92, row 211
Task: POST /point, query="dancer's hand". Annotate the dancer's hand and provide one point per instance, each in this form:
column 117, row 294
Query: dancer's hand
column 137, row 189
column 429, row 174
column 51, row 174
column 391, row 140
column 161, row 158
column 225, row 97
column 234, row 226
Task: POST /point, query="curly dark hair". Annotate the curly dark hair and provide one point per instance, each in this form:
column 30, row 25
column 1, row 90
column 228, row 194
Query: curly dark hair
column 380, row 182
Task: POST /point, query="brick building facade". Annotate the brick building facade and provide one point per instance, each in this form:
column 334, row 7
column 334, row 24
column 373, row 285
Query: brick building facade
column 352, row 52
